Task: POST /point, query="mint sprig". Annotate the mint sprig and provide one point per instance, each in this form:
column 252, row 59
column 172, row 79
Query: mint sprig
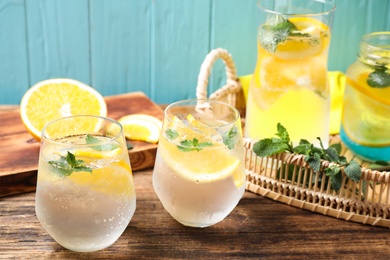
column 67, row 165
column 193, row 145
column 276, row 30
column 379, row 78
column 90, row 139
column 313, row 156
column 229, row 137
column 171, row 134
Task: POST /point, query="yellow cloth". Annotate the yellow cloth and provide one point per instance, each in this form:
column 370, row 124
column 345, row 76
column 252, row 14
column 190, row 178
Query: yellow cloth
column 337, row 84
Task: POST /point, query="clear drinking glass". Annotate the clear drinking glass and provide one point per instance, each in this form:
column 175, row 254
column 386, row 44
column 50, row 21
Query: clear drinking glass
column 365, row 127
column 85, row 195
column 290, row 83
column 199, row 174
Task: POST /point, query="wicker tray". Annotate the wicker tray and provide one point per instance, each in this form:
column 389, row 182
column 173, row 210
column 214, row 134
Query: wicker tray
column 366, row 201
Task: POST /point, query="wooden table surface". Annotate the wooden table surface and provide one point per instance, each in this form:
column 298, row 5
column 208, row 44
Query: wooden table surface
column 257, row 228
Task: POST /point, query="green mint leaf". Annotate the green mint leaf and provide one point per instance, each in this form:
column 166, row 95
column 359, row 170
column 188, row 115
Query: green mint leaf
column 314, row 161
column 269, row 146
column 353, row 171
column 276, row 30
column 331, row 155
column 229, row 137
column 71, row 159
column 282, row 133
column 129, row 146
column 336, row 181
column 336, row 147
column 104, row 147
column 66, row 165
column 303, row 148
column 192, row 145
column 379, row 78
column 60, row 168
column 171, row 134
column 332, row 171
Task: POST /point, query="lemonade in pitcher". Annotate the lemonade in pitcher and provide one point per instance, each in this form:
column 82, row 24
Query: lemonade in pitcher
column 289, row 84
column 199, row 174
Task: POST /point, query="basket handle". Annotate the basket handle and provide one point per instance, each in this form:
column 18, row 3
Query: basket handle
column 205, row 70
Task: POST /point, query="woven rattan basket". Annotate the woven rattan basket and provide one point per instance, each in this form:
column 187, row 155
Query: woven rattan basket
column 366, row 201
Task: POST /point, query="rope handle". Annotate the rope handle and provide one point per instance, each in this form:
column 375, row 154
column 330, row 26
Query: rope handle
column 205, row 70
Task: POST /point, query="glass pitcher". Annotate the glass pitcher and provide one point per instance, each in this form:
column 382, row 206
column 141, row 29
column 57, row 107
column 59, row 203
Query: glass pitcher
column 290, row 84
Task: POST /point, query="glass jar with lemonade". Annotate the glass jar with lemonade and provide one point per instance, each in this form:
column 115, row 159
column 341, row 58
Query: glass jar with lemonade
column 365, row 126
column 289, row 84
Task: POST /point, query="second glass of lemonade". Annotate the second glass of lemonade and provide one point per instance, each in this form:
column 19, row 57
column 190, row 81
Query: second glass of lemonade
column 85, row 195
column 199, row 174
column 290, row 84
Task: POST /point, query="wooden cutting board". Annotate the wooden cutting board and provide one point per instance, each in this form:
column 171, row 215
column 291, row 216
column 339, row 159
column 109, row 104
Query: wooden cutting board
column 19, row 152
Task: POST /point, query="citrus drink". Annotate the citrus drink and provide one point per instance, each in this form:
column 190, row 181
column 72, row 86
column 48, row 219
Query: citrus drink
column 289, row 84
column 365, row 123
column 85, row 194
column 199, row 174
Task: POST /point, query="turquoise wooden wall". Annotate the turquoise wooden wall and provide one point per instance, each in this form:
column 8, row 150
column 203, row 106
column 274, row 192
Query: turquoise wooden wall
column 154, row 46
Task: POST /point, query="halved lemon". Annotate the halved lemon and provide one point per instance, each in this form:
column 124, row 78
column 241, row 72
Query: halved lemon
column 141, row 127
column 55, row 98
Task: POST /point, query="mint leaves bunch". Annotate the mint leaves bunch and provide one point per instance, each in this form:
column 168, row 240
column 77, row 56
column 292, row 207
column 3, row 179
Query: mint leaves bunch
column 313, row 156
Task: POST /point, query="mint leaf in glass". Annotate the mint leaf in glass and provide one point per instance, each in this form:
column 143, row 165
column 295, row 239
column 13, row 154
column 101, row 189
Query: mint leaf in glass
column 379, row 78
column 104, row 147
column 192, row 145
column 66, row 165
column 229, row 137
column 276, row 30
column 171, row 134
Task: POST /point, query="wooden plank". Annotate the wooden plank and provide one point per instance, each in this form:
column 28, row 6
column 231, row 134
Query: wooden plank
column 180, row 42
column 19, row 153
column 120, row 46
column 58, row 39
column 14, row 79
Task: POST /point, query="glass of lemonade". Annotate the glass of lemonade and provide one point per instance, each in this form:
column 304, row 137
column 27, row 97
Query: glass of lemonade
column 290, row 84
column 85, row 194
column 365, row 126
column 199, row 174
